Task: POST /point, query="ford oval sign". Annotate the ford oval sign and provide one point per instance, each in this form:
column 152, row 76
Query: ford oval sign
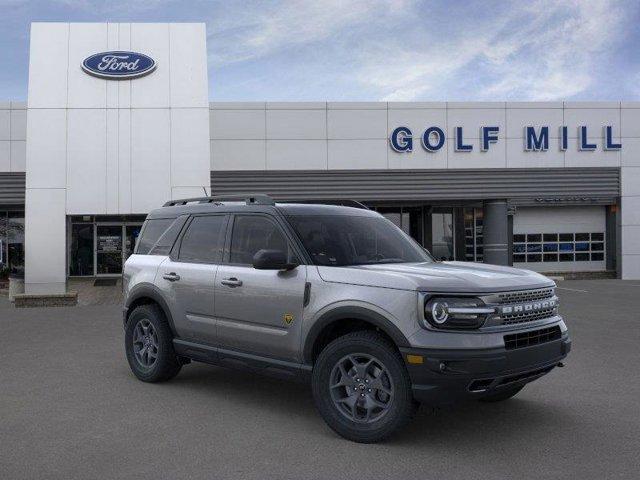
column 118, row 65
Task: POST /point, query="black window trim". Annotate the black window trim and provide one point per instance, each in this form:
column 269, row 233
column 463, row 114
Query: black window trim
column 279, row 223
column 177, row 246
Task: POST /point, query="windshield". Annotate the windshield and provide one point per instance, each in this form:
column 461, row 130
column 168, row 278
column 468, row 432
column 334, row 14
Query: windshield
column 341, row 240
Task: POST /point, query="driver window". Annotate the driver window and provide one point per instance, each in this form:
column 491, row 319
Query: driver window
column 252, row 233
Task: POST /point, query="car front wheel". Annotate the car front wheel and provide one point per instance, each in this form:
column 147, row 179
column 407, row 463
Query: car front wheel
column 361, row 387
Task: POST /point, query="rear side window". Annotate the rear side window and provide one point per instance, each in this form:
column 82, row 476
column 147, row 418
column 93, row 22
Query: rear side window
column 151, row 232
column 168, row 238
column 204, row 240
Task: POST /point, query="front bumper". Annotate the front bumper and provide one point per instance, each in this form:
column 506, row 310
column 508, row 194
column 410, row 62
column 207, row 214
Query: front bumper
column 451, row 375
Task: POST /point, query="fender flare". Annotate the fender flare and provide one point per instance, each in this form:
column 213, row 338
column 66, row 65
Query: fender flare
column 148, row 290
column 351, row 312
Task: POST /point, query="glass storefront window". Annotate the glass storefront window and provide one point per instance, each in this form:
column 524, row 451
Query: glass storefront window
column 558, row 247
column 11, row 243
column 81, row 252
column 442, row 235
column 473, row 239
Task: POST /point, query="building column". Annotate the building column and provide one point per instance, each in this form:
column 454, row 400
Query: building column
column 45, row 241
column 495, row 233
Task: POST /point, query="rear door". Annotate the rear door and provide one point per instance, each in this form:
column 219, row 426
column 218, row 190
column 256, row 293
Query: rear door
column 187, row 277
column 259, row 311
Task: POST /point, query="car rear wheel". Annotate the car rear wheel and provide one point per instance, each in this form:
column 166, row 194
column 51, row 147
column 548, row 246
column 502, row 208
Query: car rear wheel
column 361, row 387
column 149, row 345
column 502, row 395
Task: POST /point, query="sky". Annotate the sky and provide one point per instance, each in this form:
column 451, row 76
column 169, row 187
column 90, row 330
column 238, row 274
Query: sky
column 377, row 50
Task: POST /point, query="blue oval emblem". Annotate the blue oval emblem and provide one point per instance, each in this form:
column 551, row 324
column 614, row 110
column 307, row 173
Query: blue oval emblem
column 118, row 65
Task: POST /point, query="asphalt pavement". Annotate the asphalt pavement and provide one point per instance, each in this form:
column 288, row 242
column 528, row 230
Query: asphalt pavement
column 71, row 409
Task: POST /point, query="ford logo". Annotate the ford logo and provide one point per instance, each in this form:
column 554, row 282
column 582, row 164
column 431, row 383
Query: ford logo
column 118, row 65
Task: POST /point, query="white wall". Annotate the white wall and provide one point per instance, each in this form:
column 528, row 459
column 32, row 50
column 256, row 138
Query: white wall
column 13, row 136
column 99, row 146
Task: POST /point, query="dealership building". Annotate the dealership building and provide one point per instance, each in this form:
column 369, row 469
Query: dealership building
column 118, row 121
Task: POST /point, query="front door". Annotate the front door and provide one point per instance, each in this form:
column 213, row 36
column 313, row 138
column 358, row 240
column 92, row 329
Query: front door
column 109, row 250
column 259, row 311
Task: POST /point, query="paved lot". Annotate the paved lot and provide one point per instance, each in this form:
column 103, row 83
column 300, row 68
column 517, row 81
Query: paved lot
column 70, row 409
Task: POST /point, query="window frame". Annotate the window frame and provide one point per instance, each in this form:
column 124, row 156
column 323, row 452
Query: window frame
column 292, row 241
column 177, row 246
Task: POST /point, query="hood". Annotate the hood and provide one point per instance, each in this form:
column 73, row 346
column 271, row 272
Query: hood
column 458, row 277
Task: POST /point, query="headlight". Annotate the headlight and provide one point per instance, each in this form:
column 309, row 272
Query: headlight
column 456, row 312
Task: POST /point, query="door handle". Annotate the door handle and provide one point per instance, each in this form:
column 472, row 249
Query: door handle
column 231, row 282
column 172, row 276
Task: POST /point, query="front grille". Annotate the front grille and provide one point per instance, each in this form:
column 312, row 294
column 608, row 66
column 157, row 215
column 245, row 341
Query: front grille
column 525, row 295
column 510, row 319
column 534, row 337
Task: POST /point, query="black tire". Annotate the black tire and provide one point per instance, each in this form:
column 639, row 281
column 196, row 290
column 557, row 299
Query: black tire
column 501, row 395
column 166, row 365
column 400, row 406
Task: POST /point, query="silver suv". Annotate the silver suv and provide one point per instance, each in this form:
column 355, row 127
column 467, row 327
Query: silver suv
column 338, row 296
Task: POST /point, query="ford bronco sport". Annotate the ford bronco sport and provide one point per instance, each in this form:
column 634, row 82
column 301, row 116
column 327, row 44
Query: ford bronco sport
column 338, row 296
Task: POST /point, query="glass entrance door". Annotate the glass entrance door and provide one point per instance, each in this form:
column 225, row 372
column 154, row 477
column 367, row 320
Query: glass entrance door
column 109, row 249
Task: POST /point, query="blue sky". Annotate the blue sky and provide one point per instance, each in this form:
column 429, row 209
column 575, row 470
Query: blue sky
column 361, row 50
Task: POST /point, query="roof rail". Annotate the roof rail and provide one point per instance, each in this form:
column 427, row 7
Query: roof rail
column 254, row 199
column 342, row 203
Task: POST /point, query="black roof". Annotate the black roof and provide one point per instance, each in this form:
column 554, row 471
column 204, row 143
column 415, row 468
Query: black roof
column 257, row 203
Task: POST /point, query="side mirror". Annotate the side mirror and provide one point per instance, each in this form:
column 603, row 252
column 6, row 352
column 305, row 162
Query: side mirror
column 272, row 260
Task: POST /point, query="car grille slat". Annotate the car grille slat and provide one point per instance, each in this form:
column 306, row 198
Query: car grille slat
column 525, row 296
column 534, row 337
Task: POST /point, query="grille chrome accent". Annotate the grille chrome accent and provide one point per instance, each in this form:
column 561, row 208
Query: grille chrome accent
column 525, row 295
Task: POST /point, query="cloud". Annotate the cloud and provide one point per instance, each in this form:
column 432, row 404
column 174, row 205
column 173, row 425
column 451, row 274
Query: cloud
column 263, row 28
column 543, row 51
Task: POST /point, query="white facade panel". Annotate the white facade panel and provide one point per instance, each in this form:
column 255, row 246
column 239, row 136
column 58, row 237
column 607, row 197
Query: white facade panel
column 18, row 156
column 494, row 157
column 630, row 211
column 5, row 124
column 86, row 161
column 296, row 124
column 238, row 124
column 124, row 86
column 630, row 122
column 5, row 156
column 190, row 165
column 152, row 91
column 630, row 181
column 47, row 148
column 592, row 118
column 356, row 124
column 630, row 268
column 418, row 158
column 238, row 154
column 85, row 91
column 111, row 161
column 519, row 118
column 45, row 240
column 150, row 158
column 357, row 154
column 188, row 56
column 18, row 124
column 517, row 157
column 296, row 155
column 630, row 154
column 471, row 119
column 630, row 237
column 598, row 158
column 124, row 161
column 48, row 62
